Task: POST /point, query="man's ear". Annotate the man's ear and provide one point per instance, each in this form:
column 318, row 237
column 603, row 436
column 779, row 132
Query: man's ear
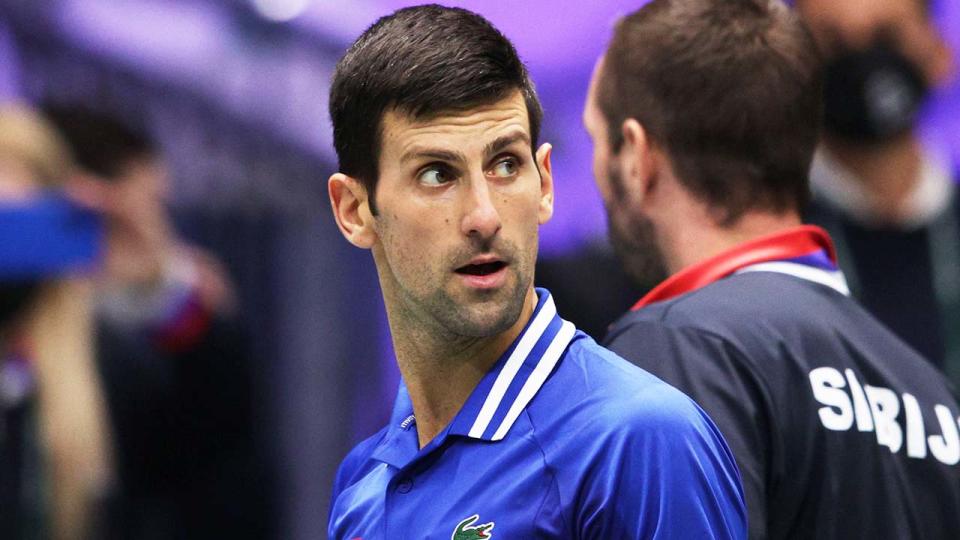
column 637, row 159
column 545, row 211
column 351, row 209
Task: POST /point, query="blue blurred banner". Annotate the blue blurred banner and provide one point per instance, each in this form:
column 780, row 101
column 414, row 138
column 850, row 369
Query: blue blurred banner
column 48, row 236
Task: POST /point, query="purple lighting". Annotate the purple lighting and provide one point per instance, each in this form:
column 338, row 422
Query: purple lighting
column 561, row 40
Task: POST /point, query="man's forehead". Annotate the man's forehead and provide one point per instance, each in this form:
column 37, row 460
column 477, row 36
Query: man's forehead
column 845, row 13
column 477, row 125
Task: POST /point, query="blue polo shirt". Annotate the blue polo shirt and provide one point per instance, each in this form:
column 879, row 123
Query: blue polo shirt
column 561, row 439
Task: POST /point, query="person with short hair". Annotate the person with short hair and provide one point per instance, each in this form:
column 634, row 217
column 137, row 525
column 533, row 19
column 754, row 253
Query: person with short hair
column 172, row 350
column 509, row 423
column 705, row 116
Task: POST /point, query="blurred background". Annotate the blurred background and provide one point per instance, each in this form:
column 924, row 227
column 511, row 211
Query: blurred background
column 234, row 93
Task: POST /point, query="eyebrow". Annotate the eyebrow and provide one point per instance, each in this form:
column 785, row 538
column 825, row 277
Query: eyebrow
column 497, row 145
column 418, row 152
column 500, row 143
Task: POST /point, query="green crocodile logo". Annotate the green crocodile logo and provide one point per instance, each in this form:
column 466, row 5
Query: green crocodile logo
column 466, row 531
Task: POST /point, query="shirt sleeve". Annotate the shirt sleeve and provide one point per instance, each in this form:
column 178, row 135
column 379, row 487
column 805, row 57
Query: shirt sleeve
column 666, row 473
column 720, row 379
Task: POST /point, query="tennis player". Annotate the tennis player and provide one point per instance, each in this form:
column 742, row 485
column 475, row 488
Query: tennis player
column 509, row 423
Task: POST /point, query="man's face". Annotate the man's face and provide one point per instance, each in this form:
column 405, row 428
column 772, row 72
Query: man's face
column 631, row 231
column 460, row 200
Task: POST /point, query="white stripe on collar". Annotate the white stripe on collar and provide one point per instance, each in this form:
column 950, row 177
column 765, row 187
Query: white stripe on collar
column 831, row 278
column 537, row 378
column 512, row 365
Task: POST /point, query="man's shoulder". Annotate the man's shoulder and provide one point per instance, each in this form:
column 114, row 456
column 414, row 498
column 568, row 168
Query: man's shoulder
column 358, row 458
column 609, row 395
column 748, row 304
column 605, row 421
column 767, row 327
column 755, row 324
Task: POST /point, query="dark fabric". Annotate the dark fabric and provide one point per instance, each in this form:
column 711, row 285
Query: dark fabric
column 747, row 348
column 12, row 468
column 892, row 273
column 183, row 426
column 589, row 287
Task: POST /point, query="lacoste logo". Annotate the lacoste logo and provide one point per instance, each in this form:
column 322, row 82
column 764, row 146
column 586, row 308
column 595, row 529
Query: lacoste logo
column 465, row 530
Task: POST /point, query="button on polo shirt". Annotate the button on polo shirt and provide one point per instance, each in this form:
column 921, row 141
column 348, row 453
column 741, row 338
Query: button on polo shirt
column 561, row 439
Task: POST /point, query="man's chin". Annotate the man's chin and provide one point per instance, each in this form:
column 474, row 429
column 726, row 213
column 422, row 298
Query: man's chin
column 487, row 325
column 486, row 312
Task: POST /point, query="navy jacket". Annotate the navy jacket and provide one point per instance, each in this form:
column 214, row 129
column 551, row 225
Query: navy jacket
column 840, row 429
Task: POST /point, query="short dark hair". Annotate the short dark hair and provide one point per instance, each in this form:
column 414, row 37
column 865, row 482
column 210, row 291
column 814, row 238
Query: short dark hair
column 422, row 61
column 101, row 143
column 730, row 89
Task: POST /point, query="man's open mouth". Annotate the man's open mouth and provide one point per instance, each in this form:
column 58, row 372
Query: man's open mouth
column 484, row 269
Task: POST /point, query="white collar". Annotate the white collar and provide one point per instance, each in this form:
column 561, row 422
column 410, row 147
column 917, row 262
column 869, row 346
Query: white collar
column 506, row 390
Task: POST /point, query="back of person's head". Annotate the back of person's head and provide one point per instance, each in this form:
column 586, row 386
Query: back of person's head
column 421, row 61
column 32, row 154
column 102, row 144
column 729, row 89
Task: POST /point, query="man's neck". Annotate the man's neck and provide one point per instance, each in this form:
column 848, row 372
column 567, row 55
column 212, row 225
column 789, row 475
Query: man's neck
column 697, row 240
column 888, row 173
column 441, row 370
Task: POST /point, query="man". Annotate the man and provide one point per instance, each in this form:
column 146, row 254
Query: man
column 890, row 205
column 170, row 348
column 510, row 423
column 704, row 115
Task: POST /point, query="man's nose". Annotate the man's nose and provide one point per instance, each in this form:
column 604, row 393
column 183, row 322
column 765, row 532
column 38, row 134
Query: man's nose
column 481, row 219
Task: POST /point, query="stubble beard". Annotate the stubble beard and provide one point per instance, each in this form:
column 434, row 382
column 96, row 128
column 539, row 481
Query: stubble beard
column 487, row 313
column 633, row 236
column 457, row 314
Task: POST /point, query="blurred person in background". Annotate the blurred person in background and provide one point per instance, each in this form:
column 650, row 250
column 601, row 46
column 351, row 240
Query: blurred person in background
column 173, row 356
column 890, row 205
column 705, row 115
column 55, row 459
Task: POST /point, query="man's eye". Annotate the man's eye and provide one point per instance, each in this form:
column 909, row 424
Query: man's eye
column 505, row 168
column 433, row 176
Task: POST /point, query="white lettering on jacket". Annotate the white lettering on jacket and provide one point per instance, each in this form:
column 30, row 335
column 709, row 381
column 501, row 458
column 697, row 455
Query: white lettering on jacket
column 877, row 409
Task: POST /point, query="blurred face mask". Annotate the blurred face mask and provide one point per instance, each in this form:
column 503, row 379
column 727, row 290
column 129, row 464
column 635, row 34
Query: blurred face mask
column 873, row 95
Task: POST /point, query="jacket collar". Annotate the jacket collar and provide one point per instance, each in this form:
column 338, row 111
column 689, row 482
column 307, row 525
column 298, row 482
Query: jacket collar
column 805, row 251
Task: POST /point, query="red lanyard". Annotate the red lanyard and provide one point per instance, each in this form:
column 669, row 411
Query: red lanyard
column 784, row 245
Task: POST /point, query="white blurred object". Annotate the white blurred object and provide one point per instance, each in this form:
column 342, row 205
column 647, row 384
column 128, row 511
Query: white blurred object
column 281, row 10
